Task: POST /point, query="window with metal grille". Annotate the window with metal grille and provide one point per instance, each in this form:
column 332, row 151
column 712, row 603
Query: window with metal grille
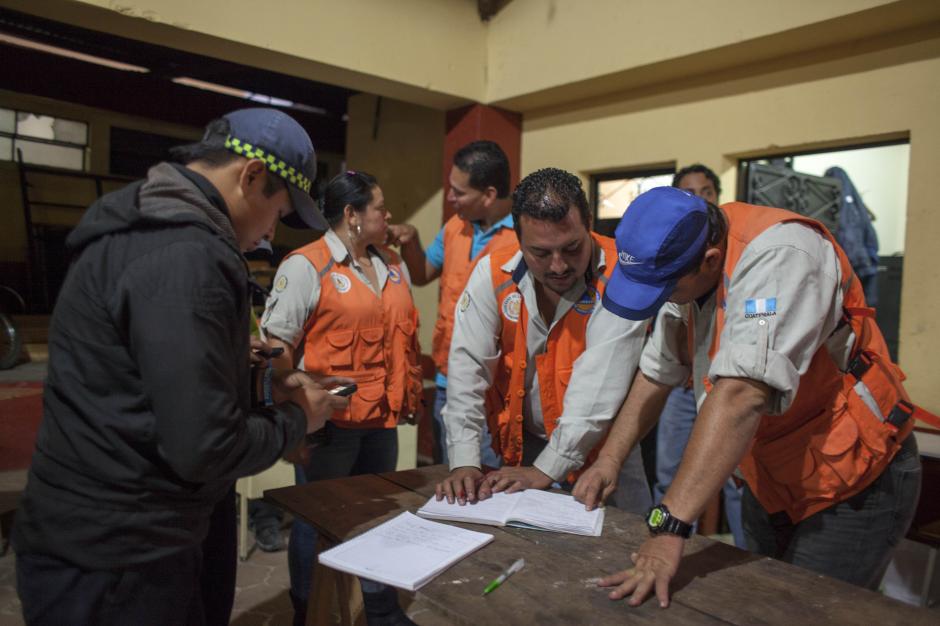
column 43, row 139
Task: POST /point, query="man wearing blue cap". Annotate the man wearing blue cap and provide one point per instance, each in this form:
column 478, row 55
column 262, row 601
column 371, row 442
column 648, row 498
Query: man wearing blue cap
column 678, row 416
column 797, row 392
column 150, row 410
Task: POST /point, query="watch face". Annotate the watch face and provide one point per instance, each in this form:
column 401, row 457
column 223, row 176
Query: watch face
column 656, row 518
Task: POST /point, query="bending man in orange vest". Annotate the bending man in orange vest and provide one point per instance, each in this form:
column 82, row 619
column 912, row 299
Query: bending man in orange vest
column 794, row 384
column 479, row 192
column 530, row 343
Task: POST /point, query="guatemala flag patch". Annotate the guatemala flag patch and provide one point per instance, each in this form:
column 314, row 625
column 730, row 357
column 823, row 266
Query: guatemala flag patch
column 760, row 307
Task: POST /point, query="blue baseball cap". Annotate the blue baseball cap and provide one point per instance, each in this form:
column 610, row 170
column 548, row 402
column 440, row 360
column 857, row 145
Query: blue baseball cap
column 659, row 239
column 283, row 144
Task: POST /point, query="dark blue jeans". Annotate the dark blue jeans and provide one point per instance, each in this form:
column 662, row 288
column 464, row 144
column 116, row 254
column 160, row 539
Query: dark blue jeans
column 852, row 540
column 349, row 452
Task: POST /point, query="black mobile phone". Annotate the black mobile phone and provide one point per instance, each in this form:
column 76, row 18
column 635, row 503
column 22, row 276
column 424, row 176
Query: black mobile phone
column 344, row 390
column 270, row 354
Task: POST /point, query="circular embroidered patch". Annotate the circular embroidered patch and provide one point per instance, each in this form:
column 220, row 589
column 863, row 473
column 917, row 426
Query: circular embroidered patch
column 464, row 302
column 281, row 284
column 585, row 306
column 341, row 282
column 511, row 306
column 394, row 274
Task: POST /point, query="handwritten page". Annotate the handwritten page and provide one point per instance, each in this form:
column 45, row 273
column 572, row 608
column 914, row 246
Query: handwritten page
column 558, row 512
column 494, row 510
column 532, row 508
column 405, row 552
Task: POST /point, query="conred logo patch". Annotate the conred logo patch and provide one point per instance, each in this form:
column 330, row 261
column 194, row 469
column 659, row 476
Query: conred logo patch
column 511, row 306
column 341, row 282
column 585, row 305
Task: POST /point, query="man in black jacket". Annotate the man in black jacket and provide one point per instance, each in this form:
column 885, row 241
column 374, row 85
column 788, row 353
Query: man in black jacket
column 151, row 411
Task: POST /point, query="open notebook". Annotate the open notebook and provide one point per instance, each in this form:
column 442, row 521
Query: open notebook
column 532, row 508
column 405, row 551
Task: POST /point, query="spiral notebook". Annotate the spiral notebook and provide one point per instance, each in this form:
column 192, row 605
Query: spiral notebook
column 405, row 552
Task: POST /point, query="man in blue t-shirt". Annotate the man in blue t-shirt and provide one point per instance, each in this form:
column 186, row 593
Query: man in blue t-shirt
column 479, row 187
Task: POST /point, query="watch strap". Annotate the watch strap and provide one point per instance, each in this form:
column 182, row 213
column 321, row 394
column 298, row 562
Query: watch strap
column 669, row 524
column 676, row 526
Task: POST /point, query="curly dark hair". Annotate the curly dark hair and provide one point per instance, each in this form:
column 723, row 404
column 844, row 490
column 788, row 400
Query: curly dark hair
column 698, row 168
column 487, row 165
column 548, row 194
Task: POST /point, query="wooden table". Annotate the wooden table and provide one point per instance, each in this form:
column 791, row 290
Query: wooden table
column 716, row 583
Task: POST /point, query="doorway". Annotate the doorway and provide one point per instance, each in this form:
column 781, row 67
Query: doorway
column 826, row 185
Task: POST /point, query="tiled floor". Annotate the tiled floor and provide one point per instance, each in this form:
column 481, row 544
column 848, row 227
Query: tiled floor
column 261, row 590
column 260, row 597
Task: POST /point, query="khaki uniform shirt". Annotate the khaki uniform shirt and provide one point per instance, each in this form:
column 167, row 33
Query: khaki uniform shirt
column 599, row 380
column 782, row 304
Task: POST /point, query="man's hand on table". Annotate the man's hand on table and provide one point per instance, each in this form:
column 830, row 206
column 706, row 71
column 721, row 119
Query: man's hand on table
column 513, row 479
column 461, row 485
column 597, row 482
column 654, row 565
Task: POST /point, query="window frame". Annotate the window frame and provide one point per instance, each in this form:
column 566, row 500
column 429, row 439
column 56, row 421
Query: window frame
column 596, row 178
column 14, row 136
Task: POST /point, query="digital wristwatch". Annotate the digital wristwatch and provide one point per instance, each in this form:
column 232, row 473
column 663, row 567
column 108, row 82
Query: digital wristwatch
column 659, row 520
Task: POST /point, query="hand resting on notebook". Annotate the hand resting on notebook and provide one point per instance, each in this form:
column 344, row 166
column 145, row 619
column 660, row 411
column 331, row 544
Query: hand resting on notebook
column 468, row 484
column 513, row 479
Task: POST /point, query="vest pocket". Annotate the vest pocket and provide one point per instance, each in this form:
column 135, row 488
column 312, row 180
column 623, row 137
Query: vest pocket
column 406, row 386
column 340, row 355
column 822, row 460
column 370, row 345
column 368, row 403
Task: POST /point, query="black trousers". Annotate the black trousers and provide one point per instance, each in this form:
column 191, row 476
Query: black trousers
column 193, row 587
column 55, row 592
column 220, row 562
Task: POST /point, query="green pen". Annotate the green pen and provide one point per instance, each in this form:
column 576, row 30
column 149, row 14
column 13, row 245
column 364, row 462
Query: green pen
column 515, row 567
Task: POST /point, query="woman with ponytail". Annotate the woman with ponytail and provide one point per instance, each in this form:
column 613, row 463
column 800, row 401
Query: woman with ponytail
column 342, row 306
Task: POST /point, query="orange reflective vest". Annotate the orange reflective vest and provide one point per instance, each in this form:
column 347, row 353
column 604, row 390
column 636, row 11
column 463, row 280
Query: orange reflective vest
column 843, row 427
column 458, row 242
column 566, row 341
column 372, row 340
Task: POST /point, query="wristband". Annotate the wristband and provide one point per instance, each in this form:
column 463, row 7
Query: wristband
column 266, row 387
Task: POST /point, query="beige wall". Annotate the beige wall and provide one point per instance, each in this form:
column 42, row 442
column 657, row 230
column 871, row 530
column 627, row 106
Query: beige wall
column 832, row 99
column 539, row 49
column 532, row 53
column 405, row 156
column 404, row 152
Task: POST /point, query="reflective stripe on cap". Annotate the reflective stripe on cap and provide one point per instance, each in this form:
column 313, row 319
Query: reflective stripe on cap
column 274, row 164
